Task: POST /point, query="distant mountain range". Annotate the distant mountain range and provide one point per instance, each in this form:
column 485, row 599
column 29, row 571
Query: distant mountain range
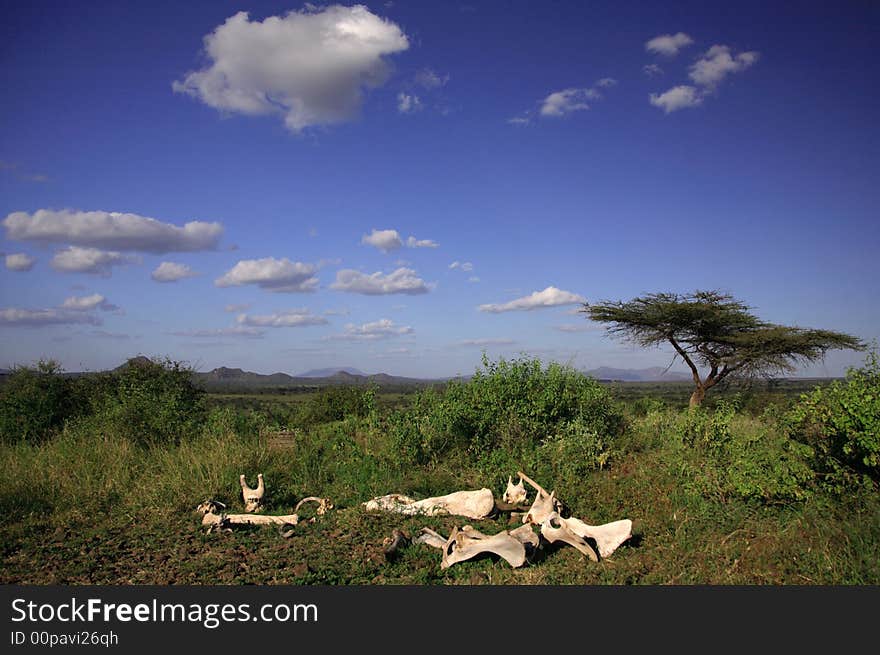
column 227, row 379
column 653, row 374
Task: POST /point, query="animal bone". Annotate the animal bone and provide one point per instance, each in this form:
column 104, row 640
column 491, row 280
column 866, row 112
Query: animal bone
column 431, row 538
column 391, row 546
column 607, row 536
column 253, row 498
column 515, row 494
column 526, row 536
column 215, row 520
column 466, row 543
column 556, row 528
column 471, row 504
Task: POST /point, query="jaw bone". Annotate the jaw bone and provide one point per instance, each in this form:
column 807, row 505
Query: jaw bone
column 515, row 494
column 470, row 504
column 215, row 520
column 253, row 498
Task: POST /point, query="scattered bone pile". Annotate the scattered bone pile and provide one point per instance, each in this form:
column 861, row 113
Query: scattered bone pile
column 514, row 546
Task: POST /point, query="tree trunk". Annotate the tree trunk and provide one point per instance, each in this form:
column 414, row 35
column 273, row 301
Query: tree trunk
column 697, row 397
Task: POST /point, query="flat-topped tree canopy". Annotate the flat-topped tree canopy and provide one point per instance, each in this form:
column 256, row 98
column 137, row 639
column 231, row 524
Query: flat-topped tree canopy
column 718, row 332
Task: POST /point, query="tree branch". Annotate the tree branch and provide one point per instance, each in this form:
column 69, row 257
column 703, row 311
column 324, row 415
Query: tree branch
column 687, row 360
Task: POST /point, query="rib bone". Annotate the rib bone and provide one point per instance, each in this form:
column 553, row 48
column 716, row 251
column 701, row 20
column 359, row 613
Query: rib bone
column 471, row 504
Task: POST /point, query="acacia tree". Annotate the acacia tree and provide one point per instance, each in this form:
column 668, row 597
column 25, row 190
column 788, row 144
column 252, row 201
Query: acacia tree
column 718, row 332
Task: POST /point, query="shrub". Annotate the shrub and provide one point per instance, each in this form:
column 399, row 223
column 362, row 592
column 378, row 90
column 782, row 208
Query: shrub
column 35, row 401
column 337, row 403
column 153, row 402
column 840, row 423
column 509, row 405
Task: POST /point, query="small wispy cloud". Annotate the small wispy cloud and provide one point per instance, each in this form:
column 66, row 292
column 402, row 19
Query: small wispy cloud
column 668, row 45
column 278, row 275
column 20, row 262
column 382, row 329
column 402, row 280
column 290, row 318
column 549, row 297
column 485, row 342
column 172, row 272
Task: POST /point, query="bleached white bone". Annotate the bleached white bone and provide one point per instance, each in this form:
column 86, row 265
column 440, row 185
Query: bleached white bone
column 525, row 535
column 608, row 536
column 515, row 494
column 466, row 543
column 543, row 505
column 556, row 528
column 214, row 518
column 471, row 504
column 431, row 538
column 253, row 498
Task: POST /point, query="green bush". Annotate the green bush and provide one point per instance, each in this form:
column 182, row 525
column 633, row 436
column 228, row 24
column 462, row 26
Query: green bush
column 337, row 403
column 152, row 403
column 840, row 423
column 36, row 401
column 509, row 405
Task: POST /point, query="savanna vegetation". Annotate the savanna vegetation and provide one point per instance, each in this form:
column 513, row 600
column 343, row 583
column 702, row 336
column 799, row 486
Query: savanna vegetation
column 100, row 475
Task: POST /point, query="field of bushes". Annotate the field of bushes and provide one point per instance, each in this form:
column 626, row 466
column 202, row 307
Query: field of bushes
column 100, row 476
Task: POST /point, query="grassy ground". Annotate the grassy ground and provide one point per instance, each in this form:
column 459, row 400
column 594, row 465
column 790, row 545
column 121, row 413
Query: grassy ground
column 81, row 511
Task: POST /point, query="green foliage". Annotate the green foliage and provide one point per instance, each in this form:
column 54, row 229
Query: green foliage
column 574, row 451
column 152, row 402
column 337, row 403
column 841, row 425
column 35, row 401
column 730, row 454
column 508, row 404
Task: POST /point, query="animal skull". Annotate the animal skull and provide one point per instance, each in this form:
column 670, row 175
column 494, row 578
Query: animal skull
column 253, row 498
column 471, row 504
column 515, row 494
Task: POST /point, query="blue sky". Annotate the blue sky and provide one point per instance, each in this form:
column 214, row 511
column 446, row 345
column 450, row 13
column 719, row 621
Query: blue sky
column 400, row 186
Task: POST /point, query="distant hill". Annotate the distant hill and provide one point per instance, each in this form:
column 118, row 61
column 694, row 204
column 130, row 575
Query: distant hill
column 327, row 372
column 653, row 374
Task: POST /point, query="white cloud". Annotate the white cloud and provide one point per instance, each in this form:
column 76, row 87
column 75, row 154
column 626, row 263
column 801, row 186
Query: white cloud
column 678, row 97
column 13, row 316
column 567, row 101
column 89, row 260
column 232, row 308
column 549, row 297
column 88, row 303
column 431, row 80
column 280, row 275
column 384, row 240
column 236, row 331
column 652, row 70
column 486, row 342
column 668, row 44
column 103, row 334
column 571, row 327
column 717, row 63
column 309, row 66
column 20, row 262
column 606, row 82
column 111, row 230
column 403, row 280
column 464, row 266
column 412, row 242
column 520, row 120
column 172, row 272
column 473, row 278
column 407, row 103
column 381, row 329
column 291, row 318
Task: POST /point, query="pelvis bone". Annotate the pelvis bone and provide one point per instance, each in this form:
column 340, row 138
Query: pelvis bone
column 253, row 498
column 471, row 504
column 468, row 542
column 545, row 511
